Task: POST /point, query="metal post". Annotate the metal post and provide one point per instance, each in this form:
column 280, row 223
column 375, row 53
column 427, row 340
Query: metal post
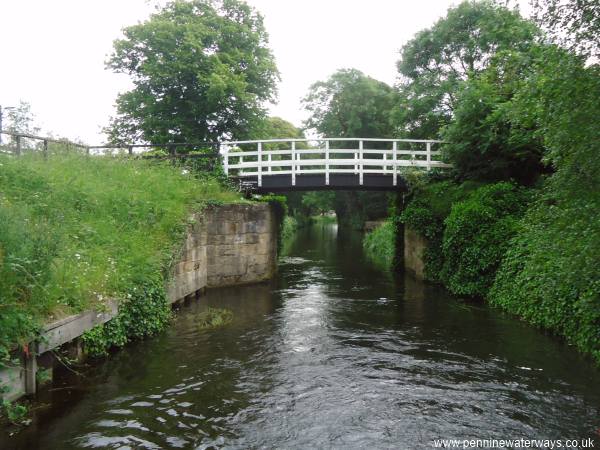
column 293, row 163
column 18, row 142
column 327, row 163
column 130, row 150
column 259, row 164
column 395, row 167
column 361, row 165
column 45, row 149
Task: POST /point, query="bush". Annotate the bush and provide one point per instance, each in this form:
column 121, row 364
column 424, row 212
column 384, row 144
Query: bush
column 477, row 234
column 425, row 213
column 551, row 273
column 380, row 244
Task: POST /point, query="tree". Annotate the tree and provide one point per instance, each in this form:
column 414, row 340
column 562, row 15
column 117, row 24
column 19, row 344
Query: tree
column 488, row 139
column 19, row 119
column 349, row 104
column 318, row 202
column 438, row 60
column 201, row 70
column 574, row 23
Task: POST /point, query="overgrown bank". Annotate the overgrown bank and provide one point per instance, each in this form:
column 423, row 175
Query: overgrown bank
column 75, row 231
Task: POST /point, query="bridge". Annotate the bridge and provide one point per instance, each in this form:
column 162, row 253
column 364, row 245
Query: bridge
column 327, row 163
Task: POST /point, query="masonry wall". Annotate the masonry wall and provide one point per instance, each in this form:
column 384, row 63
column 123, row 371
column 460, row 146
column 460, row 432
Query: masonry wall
column 226, row 246
column 414, row 252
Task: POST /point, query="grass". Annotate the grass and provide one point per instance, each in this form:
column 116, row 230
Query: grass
column 214, row 317
column 76, row 230
column 380, row 245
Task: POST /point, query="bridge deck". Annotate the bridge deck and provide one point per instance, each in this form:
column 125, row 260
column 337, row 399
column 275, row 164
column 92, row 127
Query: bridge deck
column 315, row 182
column 325, row 163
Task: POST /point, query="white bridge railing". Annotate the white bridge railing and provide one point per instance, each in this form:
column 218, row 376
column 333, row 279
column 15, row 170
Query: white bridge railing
column 329, row 156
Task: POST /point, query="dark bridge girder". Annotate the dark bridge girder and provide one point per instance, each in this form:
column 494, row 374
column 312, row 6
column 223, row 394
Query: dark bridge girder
column 315, row 182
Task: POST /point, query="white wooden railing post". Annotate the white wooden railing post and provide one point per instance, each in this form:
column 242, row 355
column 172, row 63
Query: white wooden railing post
column 259, row 164
column 384, row 162
column 361, row 165
column 293, row 163
column 226, row 159
column 428, row 156
column 269, row 169
column 395, row 157
column 326, row 163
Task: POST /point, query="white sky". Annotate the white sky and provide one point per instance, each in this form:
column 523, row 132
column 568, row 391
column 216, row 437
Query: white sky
column 52, row 52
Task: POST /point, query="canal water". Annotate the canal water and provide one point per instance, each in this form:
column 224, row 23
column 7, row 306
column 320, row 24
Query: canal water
column 333, row 353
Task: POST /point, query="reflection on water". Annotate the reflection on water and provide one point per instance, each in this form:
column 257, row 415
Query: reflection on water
column 333, row 353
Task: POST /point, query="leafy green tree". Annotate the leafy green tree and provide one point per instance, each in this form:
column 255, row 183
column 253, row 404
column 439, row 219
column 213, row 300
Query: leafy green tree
column 349, row 104
column 435, row 63
column 201, row 70
column 574, row 23
column 486, row 141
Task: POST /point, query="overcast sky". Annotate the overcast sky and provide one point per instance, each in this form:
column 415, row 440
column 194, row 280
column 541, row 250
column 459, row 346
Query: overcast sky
column 52, row 52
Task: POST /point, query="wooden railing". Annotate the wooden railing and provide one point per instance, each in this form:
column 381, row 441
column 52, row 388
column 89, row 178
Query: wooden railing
column 327, row 156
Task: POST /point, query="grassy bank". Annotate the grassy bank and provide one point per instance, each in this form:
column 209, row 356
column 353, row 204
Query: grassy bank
column 76, row 230
column 380, row 244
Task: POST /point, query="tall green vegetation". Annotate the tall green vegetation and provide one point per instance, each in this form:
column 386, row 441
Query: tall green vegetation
column 201, row 70
column 436, row 62
column 551, row 273
column 523, row 114
column 77, row 230
column 380, row 244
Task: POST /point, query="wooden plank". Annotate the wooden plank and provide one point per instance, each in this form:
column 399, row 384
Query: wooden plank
column 67, row 329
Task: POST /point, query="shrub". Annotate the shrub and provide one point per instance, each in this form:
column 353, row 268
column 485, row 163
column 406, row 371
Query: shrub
column 476, row 237
column 425, row 213
column 380, row 244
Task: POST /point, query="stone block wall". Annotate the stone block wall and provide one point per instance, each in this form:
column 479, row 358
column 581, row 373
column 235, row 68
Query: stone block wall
column 227, row 245
column 414, row 252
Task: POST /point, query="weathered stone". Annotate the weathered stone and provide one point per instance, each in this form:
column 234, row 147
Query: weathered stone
column 414, row 251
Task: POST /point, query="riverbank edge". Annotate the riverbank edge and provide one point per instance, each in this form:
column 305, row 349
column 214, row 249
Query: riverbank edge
column 225, row 245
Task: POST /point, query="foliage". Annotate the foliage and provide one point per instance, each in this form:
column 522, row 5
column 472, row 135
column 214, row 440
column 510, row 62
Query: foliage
column 486, row 141
column 201, row 70
column 550, row 275
column 437, row 60
column 214, row 317
column 427, row 209
column 318, row 202
column 15, row 413
column 574, row 23
column 380, row 244
column 349, row 104
column 290, row 224
column 76, row 230
column 19, row 119
column 144, row 312
column 476, row 237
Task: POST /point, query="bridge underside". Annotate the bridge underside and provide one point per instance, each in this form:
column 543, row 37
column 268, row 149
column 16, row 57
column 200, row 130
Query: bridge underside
column 315, row 182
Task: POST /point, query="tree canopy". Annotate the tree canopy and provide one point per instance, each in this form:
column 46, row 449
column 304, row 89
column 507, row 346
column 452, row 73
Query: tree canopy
column 201, row 69
column 437, row 60
column 349, row 104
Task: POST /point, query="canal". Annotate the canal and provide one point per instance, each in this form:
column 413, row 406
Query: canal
column 333, row 353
